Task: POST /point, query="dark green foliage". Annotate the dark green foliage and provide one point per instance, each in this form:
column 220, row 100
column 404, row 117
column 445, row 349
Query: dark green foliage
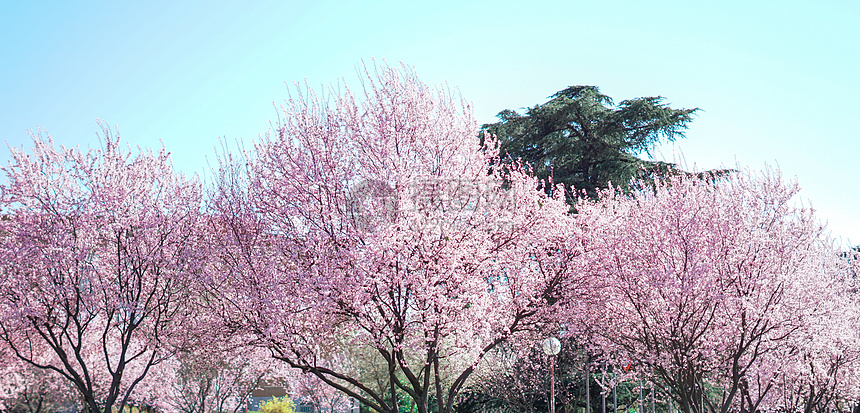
column 581, row 139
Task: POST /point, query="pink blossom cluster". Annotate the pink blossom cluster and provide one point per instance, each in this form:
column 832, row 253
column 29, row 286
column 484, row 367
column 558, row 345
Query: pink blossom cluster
column 372, row 246
column 731, row 284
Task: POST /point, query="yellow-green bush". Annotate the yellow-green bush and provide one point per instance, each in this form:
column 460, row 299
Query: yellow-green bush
column 278, row 405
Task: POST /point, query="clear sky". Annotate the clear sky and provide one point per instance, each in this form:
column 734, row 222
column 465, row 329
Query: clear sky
column 778, row 82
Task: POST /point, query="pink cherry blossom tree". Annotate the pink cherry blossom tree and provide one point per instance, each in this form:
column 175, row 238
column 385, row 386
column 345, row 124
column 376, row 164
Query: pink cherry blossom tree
column 211, row 378
column 97, row 252
column 818, row 370
column 308, row 388
column 709, row 281
column 24, row 388
column 377, row 225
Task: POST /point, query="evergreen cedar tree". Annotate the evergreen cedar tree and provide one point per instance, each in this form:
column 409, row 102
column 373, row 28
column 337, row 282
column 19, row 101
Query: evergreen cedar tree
column 363, row 242
column 580, row 139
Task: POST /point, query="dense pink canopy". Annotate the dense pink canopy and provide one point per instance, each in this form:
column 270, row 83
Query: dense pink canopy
column 720, row 283
column 97, row 252
column 380, row 224
column 374, row 243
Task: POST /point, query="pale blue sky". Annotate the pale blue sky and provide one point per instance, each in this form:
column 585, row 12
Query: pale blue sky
column 778, row 81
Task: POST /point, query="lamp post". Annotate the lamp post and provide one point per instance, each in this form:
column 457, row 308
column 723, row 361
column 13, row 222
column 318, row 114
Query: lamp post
column 551, row 347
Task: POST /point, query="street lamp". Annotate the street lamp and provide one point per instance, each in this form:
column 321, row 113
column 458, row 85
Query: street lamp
column 551, row 347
